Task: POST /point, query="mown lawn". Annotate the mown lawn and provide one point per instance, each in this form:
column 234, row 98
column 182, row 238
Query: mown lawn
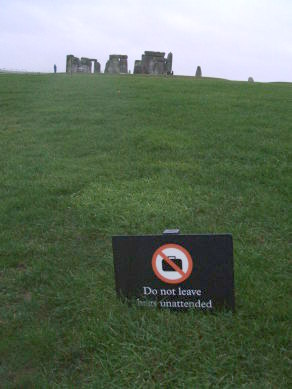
column 86, row 157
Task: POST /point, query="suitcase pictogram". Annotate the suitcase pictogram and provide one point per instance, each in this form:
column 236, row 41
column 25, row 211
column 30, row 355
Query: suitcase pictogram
column 167, row 267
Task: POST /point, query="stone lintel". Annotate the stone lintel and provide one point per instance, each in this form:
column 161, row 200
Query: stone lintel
column 118, row 56
column 154, row 53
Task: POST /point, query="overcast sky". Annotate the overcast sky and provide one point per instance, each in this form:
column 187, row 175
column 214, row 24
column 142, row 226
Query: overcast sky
column 231, row 39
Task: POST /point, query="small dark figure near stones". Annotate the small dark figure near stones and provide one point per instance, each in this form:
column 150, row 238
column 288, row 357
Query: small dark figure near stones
column 199, row 72
column 172, row 73
column 55, row 68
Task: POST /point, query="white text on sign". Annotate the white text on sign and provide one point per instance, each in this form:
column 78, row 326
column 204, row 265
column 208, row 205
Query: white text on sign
column 147, row 290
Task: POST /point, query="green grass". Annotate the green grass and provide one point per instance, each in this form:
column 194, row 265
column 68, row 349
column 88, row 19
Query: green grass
column 83, row 158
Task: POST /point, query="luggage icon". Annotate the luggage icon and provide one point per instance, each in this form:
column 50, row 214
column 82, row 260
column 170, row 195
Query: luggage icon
column 167, row 267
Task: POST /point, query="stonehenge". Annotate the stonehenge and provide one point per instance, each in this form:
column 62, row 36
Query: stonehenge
column 83, row 65
column 151, row 62
column 154, row 62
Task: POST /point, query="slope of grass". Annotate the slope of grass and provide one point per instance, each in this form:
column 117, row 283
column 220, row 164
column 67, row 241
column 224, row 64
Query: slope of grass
column 83, row 158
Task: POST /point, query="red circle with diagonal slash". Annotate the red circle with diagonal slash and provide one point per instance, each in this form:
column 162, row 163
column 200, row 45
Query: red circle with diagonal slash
column 184, row 275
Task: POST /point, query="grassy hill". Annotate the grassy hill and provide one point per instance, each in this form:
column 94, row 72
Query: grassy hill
column 85, row 157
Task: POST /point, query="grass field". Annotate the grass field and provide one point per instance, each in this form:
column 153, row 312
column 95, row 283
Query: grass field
column 85, row 157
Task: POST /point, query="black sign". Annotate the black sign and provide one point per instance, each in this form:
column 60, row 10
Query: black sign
column 175, row 271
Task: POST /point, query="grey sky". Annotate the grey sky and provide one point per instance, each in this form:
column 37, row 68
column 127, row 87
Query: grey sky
column 231, row 39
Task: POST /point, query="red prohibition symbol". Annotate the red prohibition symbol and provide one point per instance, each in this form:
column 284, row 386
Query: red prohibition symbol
column 172, row 263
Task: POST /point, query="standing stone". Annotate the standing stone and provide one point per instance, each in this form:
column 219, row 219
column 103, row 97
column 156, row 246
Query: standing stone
column 96, row 68
column 85, row 65
column 69, row 63
column 138, row 67
column 73, row 63
column 250, row 79
column 124, row 64
column 169, row 63
column 199, row 72
column 114, row 65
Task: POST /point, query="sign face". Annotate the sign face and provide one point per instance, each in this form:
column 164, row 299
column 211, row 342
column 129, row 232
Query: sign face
column 178, row 272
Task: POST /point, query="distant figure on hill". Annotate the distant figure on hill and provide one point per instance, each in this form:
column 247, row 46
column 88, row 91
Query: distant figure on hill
column 55, row 68
column 250, row 79
column 199, row 72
